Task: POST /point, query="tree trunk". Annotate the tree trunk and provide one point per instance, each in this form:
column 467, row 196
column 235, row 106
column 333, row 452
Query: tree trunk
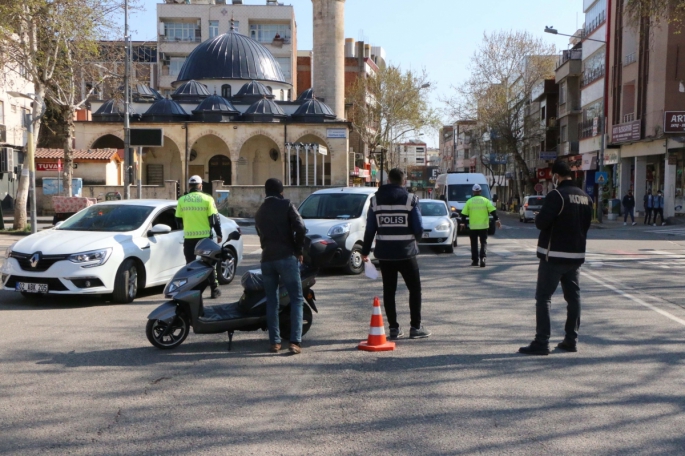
column 20, row 200
column 68, row 132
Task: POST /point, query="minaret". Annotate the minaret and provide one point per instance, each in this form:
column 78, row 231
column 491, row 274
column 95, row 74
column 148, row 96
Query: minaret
column 329, row 53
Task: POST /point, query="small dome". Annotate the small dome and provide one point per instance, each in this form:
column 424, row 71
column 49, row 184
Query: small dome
column 165, row 110
column 215, row 109
column 231, row 56
column 306, row 95
column 314, row 111
column 264, row 110
column 251, row 92
column 190, row 91
column 145, row 93
column 113, row 111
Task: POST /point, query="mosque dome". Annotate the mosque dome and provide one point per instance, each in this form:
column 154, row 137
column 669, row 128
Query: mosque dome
column 313, row 110
column 264, row 110
column 165, row 110
column 113, row 111
column 215, row 109
column 190, row 91
column 251, row 92
column 231, row 56
column 306, row 95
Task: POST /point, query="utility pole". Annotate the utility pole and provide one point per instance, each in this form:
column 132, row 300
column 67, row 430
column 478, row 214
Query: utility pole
column 127, row 100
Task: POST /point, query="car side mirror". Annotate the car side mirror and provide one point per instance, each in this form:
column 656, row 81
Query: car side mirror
column 454, row 215
column 159, row 229
column 234, row 236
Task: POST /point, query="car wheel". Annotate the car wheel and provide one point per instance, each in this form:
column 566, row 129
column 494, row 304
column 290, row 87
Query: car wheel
column 355, row 265
column 126, row 283
column 284, row 321
column 227, row 268
column 167, row 335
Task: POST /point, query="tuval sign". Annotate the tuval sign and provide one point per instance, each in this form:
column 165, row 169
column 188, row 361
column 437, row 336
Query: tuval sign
column 49, row 166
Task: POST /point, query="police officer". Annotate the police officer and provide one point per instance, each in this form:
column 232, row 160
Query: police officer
column 478, row 210
column 563, row 221
column 197, row 214
column 395, row 221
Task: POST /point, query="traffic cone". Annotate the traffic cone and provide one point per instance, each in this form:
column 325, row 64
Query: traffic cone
column 376, row 341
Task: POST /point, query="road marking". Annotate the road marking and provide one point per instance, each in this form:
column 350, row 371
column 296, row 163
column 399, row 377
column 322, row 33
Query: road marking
column 256, row 252
column 673, row 232
column 633, row 298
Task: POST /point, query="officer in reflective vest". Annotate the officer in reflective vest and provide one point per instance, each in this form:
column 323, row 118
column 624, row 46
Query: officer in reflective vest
column 478, row 210
column 196, row 213
column 395, row 221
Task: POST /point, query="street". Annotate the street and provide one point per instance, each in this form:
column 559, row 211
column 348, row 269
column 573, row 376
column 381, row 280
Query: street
column 80, row 377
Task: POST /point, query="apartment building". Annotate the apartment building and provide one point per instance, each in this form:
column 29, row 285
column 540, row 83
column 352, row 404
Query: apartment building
column 646, row 110
column 412, row 153
column 184, row 24
column 542, row 132
column 467, row 150
column 447, row 148
column 568, row 75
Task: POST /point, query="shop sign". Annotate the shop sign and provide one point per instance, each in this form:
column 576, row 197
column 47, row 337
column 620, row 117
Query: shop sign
column 49, row 166
column 339, row 133
column 624, row 132
column 589, row 162
column 611, row 156
column 548, row 155
column 595, row 126
column 674, row 122
column 364, row 173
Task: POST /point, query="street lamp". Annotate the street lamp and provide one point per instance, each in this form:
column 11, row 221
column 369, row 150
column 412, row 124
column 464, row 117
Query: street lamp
column 31, row 152
column 554, row 31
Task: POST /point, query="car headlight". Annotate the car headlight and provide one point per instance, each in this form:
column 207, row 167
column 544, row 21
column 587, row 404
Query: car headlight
column 453, row 209
column 443, row 227
column 337, row 230
column 8, row 251
column 92, row 258
column 176, row 284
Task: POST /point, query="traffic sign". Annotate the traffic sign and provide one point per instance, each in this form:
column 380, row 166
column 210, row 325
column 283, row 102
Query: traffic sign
column 538, row 188
column 601, row 178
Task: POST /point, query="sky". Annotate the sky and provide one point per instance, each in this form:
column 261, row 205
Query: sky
column 438, row 35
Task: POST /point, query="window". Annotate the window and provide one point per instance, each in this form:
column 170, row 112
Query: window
column 562, row 93
column 236, row 25
column 213, row 29
column 167, row 217
column 432, row 209
column 265, row 33
column 543, row 112
column 226, row 91
column 594, row 67
column 333, row 206
column 282, row 95
column 25, row 117
column 271, row 91
column 463, row 192
column 116, row 218
column 181, row 31
column 175, row 65
column 564, row 133
column 14, row 109
column 419, row 159
column 2, row 113
column 284, row 62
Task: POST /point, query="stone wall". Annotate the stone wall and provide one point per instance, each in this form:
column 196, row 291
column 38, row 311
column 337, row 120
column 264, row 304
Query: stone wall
column 244, row 200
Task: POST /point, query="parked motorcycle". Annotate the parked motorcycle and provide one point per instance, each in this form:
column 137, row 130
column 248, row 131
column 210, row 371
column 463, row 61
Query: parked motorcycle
column 169, row 324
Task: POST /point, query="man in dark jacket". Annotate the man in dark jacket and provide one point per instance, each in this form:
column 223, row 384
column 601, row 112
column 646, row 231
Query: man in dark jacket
column 395, row 221
column 563, row 221
column 281, row 235
column 629, row 207
column 648, row 202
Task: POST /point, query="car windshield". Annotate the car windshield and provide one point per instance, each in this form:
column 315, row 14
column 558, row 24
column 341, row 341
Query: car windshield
column 108, row 217
column 333, row 206
column 432, row 209
column 462, row 192
column 536, row 200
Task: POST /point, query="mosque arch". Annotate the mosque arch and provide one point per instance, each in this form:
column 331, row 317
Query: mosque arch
column 260, row 158
column 107, row 141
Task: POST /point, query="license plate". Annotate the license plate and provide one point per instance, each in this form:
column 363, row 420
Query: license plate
column 32, row 287
column 426, row 235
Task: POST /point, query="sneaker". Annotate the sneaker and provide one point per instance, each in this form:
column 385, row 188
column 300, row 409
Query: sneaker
column 568, row 345
column 482, row 262
column 295, row 348
column 474, row 263
column 535, row 348
column 663, row 223
column 396, row 332
column 274, row 348
column 216, row 293
column 420, row 333
column 634, row 223
column 624, row 223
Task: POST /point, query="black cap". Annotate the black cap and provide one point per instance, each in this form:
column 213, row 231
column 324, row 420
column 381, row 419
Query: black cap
column 561, row 168
column 273, row 187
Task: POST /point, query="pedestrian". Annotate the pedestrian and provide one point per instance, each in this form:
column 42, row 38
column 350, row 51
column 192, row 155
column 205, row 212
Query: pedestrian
column 647, row 201
column 658, row 207
column 629, row 208
column 281, row 234
column 563, row 221
column 196, row 213
column 394, row 220
column 478, row 210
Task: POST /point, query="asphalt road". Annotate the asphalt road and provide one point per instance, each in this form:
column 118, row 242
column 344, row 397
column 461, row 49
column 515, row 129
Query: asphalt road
column 79, row 377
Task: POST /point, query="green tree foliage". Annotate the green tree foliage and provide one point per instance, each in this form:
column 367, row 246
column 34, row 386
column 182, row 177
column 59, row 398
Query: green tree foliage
column 658, row 11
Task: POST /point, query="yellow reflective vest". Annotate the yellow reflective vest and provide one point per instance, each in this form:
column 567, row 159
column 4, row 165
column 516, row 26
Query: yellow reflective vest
column 478, row 210
column 195, row 208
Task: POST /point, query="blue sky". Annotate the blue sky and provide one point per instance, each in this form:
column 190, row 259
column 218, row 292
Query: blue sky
column 438, row 35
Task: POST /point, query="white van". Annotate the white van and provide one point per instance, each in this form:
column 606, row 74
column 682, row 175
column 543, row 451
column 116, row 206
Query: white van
column 341, row 214
column 456, row 188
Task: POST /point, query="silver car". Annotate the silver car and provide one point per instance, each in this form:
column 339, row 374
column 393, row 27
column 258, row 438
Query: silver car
column 439, row 230
column 530, row 207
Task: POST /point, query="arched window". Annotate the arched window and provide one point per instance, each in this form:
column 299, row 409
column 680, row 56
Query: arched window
column 226, row 91
column 271, row 91
column 282, row 95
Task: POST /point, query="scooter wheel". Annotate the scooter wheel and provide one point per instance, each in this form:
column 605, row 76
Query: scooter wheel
column 175, row 335
column 284, row 323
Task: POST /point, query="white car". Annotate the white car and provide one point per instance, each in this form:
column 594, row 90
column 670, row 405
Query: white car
column 439, row 230
column 114, row 247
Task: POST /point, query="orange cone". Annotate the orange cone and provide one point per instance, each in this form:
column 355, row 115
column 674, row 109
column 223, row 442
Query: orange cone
column 376, row 341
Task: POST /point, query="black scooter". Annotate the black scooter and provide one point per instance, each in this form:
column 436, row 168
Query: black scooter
column 169, row 324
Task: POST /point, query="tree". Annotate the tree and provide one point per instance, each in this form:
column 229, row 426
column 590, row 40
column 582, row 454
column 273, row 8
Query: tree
column 48, row 39
column 389, row 104
column 671, row 11
column 504, row 71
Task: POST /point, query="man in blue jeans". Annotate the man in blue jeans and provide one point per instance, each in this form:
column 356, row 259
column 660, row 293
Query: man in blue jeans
column 281, row 235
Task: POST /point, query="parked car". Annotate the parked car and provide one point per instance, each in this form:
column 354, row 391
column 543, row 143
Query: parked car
column 439, row 229
column 114, row 247
column 457, row 188
column 530, row 207
column 340, row 213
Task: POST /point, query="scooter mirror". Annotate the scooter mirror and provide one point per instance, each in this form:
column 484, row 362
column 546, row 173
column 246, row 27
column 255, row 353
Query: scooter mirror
column 234, row 236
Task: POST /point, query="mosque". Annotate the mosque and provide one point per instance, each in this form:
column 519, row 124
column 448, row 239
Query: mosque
column 233, row 117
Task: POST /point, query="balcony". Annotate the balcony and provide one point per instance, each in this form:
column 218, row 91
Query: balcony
column 592, row 75
column 593, row 25
column 591, row 128
column 570, row 54
column 629, row 59
column 176, row 39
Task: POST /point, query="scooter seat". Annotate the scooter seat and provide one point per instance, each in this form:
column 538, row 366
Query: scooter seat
column 222, row 312
column 252, row 280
